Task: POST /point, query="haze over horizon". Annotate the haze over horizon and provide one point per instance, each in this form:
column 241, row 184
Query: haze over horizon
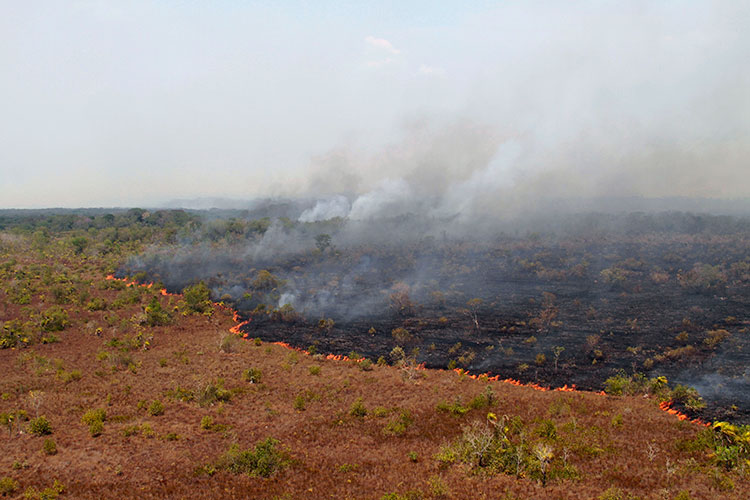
column 460, row 108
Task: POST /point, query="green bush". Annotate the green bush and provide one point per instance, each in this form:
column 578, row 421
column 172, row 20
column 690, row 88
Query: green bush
column 8, row 486
column 40, row 426
column 263, row 461
column 252, row 375
column 456, row 408
column 54, row 319
column 207, row 422
column 49, row 447
column 212, row 393
column 358, row 409
column 156, row 315
column 95, row 420
column 156, row 408
column 399, row 425
column 12, row 333
column 197, row 298
column 96, row 304
column 483, row 400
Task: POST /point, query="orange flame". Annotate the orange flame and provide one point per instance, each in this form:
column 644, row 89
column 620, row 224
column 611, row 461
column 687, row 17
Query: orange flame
column 667, row 407
column 236, row 329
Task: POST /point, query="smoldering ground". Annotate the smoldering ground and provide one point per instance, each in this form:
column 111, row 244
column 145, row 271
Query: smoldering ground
column 553, row 299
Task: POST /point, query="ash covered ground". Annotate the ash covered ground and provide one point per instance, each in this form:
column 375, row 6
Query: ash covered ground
column 571, row 299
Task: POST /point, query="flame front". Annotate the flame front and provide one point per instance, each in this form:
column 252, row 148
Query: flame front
column 237, row 330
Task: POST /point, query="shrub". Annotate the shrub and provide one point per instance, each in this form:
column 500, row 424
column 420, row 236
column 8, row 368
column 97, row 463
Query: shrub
column 212, row 393
column 8, row 486
column 95, row 420
column 456, row 408
column 207, row 422
column 299, row 402
column 11, row 334
column 358, row 409
column 263, row 461
column 54, row 319
column 401, row 335
column 40, row 426
column 96, row 428
column 380, row 412
column 486, row 399
column 616, row 385
column 546, row 429
column 252, row 375
column 49, row 447
column 156, row 408
column 715, row 337
column 314, row 370
column 398, row 426
column 197, row 298
column 156, row 315
column 96, row 304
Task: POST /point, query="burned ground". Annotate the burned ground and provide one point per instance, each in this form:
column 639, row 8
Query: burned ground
column 664, row 296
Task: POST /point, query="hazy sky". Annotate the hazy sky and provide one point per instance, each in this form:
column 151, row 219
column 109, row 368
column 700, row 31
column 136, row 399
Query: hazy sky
column 135, row 103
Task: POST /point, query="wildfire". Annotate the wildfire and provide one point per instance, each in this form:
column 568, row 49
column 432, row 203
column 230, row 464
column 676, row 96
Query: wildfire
column 667, row 407
column 237, row 330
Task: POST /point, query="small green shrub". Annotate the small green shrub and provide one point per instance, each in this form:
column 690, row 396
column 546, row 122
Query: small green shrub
column 483, row 400
column 380, row 412
column 264, row 460
column 456, row 408
column 96, row 304
column 197, row 299
column 357, row 409
column 54, row 319
column 299, row 402
column 213, row 393
column 156, row 315
column 156, row 408
column 314, row 370
column 399, row 425
column 252, row 375
column 8, row 486
column 40, row 426
column 49, row 447
column 612, row 493
column 95, row 418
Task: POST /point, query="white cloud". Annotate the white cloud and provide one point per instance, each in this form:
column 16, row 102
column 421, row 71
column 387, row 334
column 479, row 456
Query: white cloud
column 381, row 44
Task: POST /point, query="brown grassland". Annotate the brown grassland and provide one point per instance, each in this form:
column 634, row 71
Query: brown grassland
column 175, row 397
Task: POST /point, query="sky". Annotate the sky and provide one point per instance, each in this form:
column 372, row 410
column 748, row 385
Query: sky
column 138, row 103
